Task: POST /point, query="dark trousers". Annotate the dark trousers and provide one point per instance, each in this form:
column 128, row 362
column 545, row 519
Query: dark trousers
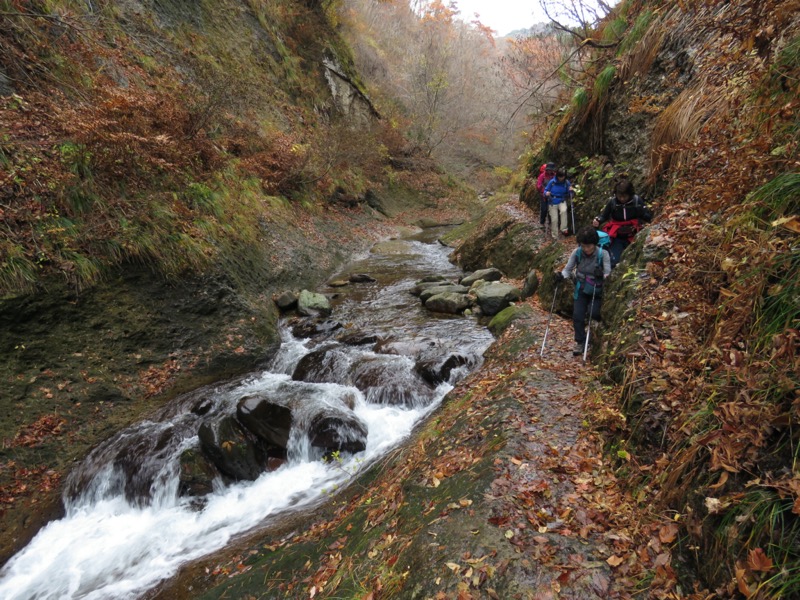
column 580, row 313
column 616, row 248
column 542, row 210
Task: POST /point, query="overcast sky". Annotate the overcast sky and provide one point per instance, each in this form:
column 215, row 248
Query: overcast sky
column 505, row 15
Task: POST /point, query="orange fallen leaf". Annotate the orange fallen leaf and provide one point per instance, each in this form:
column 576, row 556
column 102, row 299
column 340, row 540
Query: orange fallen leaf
column 668, row 533
column 615, row 560
column 758, row 561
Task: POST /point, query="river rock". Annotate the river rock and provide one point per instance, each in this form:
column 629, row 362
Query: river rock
column 286, row 301
column 358, row 338
column 432, row 279
column 267, row 420
column 436, row 369
column 231, row 450
column 197, row 474
column 494, row 297
column 311, row 304
column 332, row 431
column 307, row 328
column 420, row 287
column 448, row 302
column 490, row 274
column 531, row 285
column 442, row 289
column 361, row 278
column 337, row 283
column 326, row 365
column 392, row 381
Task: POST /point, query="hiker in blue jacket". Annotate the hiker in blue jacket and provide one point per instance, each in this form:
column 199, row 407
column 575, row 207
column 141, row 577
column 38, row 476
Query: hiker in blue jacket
column 588, row 265
column 557, row 191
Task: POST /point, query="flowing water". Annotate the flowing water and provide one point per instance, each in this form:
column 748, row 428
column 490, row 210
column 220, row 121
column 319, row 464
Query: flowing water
column 129, row 526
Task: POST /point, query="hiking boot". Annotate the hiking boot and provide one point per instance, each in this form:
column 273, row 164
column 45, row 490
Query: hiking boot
column 577, row 350
column 565, row 231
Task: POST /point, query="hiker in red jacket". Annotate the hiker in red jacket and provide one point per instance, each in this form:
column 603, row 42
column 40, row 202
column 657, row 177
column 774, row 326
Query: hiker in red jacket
column 546, row 173
column 623, row 216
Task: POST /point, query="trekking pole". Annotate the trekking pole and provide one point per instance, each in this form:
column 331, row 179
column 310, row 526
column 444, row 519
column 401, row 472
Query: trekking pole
column 589, row 326
column 552, row 308
column 572, row 204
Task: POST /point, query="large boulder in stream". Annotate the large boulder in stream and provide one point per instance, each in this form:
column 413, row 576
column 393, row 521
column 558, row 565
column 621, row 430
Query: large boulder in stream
column 391, row 380
column 451, row 303
column 490, row 274
column 337, row 431
column 421, row 287
column 311, row 304
column 326, row 365
column 452, row 288
column 494, row 297
column 197, row 474
column 286, row 301
column 314, row 327
column 437, row 368
column 231, row 450
column 267, row 420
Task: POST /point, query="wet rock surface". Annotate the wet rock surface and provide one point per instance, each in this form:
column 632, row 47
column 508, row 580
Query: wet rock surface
column 267, row 420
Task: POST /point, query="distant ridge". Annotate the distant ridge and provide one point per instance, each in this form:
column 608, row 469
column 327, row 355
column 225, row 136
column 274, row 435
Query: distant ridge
column 536, row 29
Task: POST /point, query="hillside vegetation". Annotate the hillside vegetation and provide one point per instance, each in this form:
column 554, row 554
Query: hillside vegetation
column 698, row 103
column 166, row 133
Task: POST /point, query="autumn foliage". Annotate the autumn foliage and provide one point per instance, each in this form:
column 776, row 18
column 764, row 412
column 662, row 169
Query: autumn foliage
column 705, row 359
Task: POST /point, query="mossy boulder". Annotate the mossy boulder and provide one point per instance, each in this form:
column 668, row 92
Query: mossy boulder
column 507, row 316
column 311, row 304
column 495, row 296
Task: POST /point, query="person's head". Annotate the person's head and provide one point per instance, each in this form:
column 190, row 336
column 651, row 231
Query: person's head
column 561, row 174
column 588, row 239
column 624, row 190
column 550, row 169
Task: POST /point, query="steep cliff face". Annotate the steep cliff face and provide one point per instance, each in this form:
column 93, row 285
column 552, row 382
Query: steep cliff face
column 700, row 336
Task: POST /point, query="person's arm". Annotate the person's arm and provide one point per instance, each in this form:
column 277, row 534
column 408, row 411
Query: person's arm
column 566, row 273
column 646, row 214
column 606, row 263
column 547, row 188
column 603, row 216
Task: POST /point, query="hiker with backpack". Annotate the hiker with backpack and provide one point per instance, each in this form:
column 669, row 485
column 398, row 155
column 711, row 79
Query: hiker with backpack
column 622, row 217
column 546, row 172
column 588, row 266
column 558, row 190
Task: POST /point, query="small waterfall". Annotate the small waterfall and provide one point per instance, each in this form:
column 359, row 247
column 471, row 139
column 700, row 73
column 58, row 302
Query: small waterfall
column 154, row 497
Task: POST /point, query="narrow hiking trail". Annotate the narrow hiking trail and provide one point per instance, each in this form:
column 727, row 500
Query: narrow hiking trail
column 505, row 492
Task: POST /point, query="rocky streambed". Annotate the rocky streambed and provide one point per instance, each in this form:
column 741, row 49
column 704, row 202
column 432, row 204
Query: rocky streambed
column 345, row 387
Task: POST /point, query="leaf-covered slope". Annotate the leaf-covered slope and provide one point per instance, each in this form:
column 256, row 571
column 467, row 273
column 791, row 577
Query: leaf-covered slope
column 702, row 112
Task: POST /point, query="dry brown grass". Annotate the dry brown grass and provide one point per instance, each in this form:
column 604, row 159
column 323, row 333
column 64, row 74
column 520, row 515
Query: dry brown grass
column 639, row 60
column 679, row 125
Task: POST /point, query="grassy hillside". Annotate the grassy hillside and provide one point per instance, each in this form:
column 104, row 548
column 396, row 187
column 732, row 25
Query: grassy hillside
column 165, row 133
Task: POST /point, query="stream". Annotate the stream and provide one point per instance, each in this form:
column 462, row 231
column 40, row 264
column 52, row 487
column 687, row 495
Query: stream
column 358, row 380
